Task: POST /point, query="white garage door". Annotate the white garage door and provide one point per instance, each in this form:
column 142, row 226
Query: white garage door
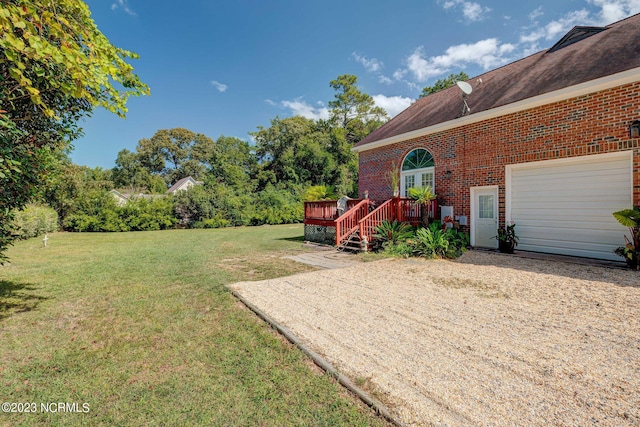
column 564, row 206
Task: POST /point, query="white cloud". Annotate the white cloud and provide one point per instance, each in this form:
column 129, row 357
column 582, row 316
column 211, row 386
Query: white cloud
column 610, row 11
column 533, row 16
column 301, row 108
column 370, row 65
column 220, row 86
column 486, row 53
column 554, row 29
column 470, row 10
column 615, row 10
column 124, row 5
column 384, row 80
column 392, row 104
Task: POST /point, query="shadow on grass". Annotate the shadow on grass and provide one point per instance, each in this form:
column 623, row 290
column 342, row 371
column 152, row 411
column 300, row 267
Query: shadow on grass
column 293, row 239
column 17, row 298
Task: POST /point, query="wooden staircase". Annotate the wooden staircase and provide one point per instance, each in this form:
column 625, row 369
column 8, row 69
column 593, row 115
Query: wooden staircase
column 360, row 222
column 351, row 244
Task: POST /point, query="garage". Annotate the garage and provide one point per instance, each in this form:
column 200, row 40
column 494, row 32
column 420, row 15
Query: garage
column 564, row 206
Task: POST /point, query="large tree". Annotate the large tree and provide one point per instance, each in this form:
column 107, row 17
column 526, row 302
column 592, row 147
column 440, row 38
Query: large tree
column 55, row 67
column 354, row 111
column 175, row 153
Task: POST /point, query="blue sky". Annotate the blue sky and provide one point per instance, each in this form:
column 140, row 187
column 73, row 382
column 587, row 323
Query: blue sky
column 227, row 67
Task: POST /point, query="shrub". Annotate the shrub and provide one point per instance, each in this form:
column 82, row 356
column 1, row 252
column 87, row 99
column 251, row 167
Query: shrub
column 319, row 192
column 138, row 215
column 387, row 233
column 432, row 242
column 437, row 241
column 277, row 206
column 81, row 222
column 217, row 222
column 402, row 249
column 34, row 221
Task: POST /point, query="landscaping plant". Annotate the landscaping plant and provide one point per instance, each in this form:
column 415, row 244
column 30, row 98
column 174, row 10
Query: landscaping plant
column 631, row 250
column 390, row 233
column 432, row 242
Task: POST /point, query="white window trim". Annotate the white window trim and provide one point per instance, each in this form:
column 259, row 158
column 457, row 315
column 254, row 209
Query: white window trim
column 417, row 172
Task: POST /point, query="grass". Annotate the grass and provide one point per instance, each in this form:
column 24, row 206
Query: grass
column 140, row 327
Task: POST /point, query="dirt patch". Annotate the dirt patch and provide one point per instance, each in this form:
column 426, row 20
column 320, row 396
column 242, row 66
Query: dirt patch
column 486, row 340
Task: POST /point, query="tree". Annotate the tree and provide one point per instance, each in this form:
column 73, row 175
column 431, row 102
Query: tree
column 172, row 153
column 230, row 161
column 294, row 151
column 354, row 111
column 56, row 67
column 442, row 84
column 130, row 173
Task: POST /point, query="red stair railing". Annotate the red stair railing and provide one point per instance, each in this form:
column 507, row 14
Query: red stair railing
column 348, row 222
column 369, row 223
column 402, row 210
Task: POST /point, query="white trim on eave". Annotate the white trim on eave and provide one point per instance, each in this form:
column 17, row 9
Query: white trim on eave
column 592, row 86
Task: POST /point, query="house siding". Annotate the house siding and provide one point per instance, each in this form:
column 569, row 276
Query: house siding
column 477, row 153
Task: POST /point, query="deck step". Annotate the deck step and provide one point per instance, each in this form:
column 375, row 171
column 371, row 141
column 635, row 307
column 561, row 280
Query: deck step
column 352, row 244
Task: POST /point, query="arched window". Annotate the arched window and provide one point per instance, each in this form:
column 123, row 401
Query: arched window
column 417, row 171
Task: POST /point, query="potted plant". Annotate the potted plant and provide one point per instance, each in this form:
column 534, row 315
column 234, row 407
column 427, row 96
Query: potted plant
column 507, row 239
column 631, row 250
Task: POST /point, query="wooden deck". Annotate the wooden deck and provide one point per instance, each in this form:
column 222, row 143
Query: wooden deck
column 362, row 217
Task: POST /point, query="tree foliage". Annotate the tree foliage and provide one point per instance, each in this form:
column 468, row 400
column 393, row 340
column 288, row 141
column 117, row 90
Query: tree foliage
column 175, row 153
column 55, row 67
column 354, row 111
column 445, row 83
column 292, row 160
column 54, row 51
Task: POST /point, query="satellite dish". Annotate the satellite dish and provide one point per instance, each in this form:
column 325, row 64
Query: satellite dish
column 465, row 87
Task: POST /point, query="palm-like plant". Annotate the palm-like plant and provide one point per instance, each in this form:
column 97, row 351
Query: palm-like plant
column 392, row 232
column 432, row 242
column 631, row 250
column 423, row 196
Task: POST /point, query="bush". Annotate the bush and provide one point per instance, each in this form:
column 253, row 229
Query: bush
column 402, row 249
column 431, row 242
column 319, row 192
column 275, row 206
column 435, row 241
column 139, row 215
column 33, row 221
column 389, row 233
column 81, row 222
column 217, row 222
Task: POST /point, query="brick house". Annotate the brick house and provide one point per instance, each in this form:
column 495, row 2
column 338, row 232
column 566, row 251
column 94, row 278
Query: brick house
column 549, row 142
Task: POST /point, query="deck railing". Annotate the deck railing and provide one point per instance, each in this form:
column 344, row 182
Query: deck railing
column 369, row 223
column 358, row 218
column 402, row 210
column 349, row 221
column 325, row 209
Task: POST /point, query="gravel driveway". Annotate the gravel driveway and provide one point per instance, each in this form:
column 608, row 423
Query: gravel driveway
column 486, row 340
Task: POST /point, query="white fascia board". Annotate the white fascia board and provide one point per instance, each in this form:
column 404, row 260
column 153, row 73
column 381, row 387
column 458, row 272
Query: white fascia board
column 592, row 86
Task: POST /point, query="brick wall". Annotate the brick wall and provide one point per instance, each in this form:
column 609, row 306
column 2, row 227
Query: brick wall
column 477, row 154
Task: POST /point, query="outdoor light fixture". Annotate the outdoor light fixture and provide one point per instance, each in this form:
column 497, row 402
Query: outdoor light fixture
column 634, row 129
column 447, row 174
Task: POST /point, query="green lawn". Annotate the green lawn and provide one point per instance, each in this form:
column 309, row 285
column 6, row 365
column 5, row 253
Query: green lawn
column 140, row 327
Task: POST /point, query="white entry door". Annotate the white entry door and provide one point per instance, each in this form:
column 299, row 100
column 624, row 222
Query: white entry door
column 484, row 211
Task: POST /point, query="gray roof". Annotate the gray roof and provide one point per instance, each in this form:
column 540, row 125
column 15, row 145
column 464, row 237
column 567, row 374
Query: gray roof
column 181, row 182
column 584, row 54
